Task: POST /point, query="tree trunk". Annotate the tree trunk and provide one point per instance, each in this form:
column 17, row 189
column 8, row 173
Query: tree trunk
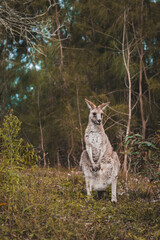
column 60, row 44
column 41, row 134
column 4, row 88
column 126, row 60
column 71, row 150
column 140, row 50
column 79, row 119
column 58, row 160
column 141, row 96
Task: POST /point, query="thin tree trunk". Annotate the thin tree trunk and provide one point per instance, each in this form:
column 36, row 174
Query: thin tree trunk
column 58, row 160
column 41, row 133
column 140, row 50
column 79, row 119
column 126, row 60
column 141, row 95
column 149, row 92
column 70, row 152
column 60, row 44
column 3, row 92
column 141, row 75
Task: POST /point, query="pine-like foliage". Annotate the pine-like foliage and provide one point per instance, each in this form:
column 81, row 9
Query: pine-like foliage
column 83, row 60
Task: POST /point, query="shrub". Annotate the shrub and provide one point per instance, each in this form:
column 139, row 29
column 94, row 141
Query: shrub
column 144, row 154
column 14, row 151
column 15, row 154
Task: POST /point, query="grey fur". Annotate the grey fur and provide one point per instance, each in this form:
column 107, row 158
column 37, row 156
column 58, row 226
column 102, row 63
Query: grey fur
column 99, row 163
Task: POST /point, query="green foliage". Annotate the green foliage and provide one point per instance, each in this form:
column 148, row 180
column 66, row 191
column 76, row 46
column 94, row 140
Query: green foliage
column 15, row 154
column 14, row 150
column 52, row 204
column 157, row 138
column 11, row 143
column 91, row 35
column 144, row 154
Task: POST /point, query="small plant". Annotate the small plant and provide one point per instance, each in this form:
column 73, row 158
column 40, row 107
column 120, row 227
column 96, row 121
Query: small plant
column 15, row 155
column 156, row 138
column 142, row 153
column 11, row 143
column 14, row 150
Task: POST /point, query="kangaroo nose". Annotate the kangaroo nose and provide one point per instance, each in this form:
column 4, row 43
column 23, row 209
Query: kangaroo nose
column 99, row 120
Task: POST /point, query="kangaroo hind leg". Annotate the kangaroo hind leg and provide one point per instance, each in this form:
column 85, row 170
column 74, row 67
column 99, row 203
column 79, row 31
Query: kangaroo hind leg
column 88, row 186
column 114, row 190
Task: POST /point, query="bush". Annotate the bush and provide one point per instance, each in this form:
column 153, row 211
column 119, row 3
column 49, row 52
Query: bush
column 14, row 150
column 15, row 154
column 144, row 154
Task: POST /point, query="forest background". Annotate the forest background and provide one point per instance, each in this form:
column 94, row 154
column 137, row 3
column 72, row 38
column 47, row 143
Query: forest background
column 54, row 54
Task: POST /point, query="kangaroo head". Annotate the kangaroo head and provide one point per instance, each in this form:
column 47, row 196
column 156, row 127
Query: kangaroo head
column 96, row 113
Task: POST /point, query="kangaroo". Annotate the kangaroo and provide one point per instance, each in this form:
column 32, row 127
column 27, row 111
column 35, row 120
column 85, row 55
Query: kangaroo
column 99, row 163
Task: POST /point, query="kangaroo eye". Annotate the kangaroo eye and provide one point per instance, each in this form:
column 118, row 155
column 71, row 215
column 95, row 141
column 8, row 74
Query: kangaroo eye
column 101, row 114
column 94, row 114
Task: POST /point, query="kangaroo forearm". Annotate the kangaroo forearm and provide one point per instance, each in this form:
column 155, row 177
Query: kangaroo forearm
column 89, row 151
column 101, row 154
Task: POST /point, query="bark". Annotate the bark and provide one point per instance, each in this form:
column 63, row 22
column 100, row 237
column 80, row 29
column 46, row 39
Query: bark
column 60, row 44
column 4, row 88
column 126, row 60
column 41, row 134
column 140, row 50
column 70, row 152
column 58, row 160
column 79, row 119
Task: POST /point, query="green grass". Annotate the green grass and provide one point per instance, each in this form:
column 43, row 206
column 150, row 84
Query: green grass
column 50, row 204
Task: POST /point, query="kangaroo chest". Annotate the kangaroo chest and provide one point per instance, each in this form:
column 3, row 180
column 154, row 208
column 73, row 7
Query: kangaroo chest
column 95, row 139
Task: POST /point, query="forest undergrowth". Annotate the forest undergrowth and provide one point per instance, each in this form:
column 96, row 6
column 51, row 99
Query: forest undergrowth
column 52, row 204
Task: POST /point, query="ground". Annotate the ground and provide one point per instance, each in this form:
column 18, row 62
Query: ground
column 52, row 204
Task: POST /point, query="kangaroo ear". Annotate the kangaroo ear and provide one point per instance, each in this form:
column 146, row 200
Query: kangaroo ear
column 90, row 104
column 103, row 105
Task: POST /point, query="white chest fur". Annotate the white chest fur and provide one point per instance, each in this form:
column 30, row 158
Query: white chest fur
column 95, row 139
